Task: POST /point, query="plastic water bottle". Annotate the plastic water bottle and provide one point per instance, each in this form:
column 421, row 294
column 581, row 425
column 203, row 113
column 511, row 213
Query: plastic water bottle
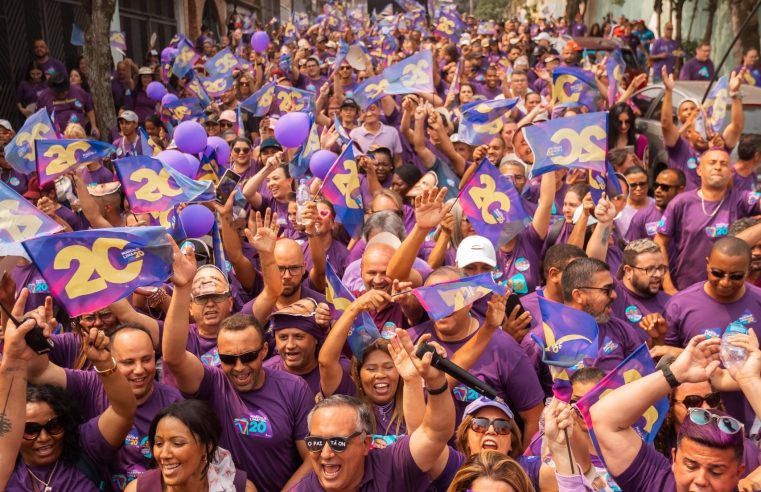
column 302, row 197
column 732, row 354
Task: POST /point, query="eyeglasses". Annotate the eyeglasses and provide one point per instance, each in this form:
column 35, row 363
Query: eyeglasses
column 315, row 444
column 481, row 425
column 607, row 290
column 664, row 187
column 245, row 357
column 32, row 430
column 641, row 184
column 696, row 401
column 735, row 276
column 292, row 269
column 726, row 424
column 102, row 315
column 227, row 124
column 215, row 298
column 240, row 150
column 653, row 269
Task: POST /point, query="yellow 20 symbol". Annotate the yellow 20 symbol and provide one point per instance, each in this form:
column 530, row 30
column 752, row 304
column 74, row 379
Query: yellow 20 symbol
column 347, row 183
column 226, row 63
column 156, row 186
column 417, row 74
column 65, row 157
column 487, row 195
column 375, row 90
column 582, row 147
column 215, row 86
column 19, row 227
column 91, row 261
column 27, row 139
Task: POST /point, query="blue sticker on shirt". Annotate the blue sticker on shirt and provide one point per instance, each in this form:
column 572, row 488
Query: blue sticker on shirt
column 14, row 181
column 608, row 346
column 747, row 318
column 692, row 163
column 651, row 228
column 522, row 264
column 211, row 358
column 717, row 230
column 464, row 393
column 256, row 424
column 519, row 284
column 633, row 314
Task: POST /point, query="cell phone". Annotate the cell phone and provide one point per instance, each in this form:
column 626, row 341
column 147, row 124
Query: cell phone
column 512, row 301
column 226, row 185
column 34, row 338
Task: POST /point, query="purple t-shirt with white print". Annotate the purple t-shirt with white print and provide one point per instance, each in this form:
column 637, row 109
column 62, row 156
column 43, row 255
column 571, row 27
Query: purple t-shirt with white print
column 644, row 224
column 523, row 264
column 683, row 157
column 260, row 427
column 616, row 342
column 503, row 365
column 632, row 307
column 134, row 457
column 694, row 224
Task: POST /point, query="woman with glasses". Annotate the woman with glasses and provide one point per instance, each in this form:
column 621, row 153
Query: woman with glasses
column 184, row 440
column 240, row 157
column 44, row 446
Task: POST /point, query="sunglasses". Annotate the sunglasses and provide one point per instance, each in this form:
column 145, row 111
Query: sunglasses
column 726, row 424
column 245, row 357
column 240, row 150
column 481, row 425
column 735, row 277
column 215, row 298
column 227, row 124
column 696, row 401
column 664, row 187
column 315, row 444
column 607, row 290
column 641, row 184
column 54, row 427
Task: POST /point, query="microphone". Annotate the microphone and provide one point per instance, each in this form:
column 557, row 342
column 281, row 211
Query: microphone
column 457, row 372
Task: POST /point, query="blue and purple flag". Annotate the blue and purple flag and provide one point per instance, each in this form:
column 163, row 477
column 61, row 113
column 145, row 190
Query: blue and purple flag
column 291, row 99
column 443, row 299
column 77, row 35
column 182, row 110
column 259, row 103
column 20, row 152
column 89, row 270
column 615, row 68
column 604, row 182
column 638, row 365
column 290, row 34
column 118, row 41
column 716, row 103
column 147, row 145
column 300, row 163
column 210, row 168
column 341, row 187
column 151, row 186
column 411, row 75
column 449, row 25
column 481, row 121
column 216, row 85
column 223, row 63
column 185, row 59
column 343, row 135
column 574, row 85
column 569, row 338
column 58, row 157
column 580, row 142
column 493, row 205
column 196, row 87
column 169, row 220
column 19, row 221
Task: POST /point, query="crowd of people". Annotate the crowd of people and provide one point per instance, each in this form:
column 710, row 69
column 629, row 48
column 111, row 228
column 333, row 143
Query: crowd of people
column 237, row 374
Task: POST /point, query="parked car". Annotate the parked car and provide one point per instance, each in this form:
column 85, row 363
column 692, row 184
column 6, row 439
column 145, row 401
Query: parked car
column 648, row 103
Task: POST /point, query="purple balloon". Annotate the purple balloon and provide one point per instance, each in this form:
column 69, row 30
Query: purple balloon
column 193, row 165
column 260, row 41
column 155, row 90
column 292, row 129
column 190, row 137
column 221, row 148
column 321, row 162
column 174, row 159
column 196, row 220
column 167, row 54
column 168, row 99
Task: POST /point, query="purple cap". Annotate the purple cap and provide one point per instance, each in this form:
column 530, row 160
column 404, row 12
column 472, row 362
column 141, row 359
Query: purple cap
column 482, row 402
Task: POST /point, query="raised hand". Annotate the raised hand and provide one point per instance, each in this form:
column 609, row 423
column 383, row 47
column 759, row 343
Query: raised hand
column 404, row 365
column 183, row 263
column 698, row 360
column 262, row 233
column 322, row 316
column 430, row 209
column 97, row 348
column 433, row 377
column 517, row 326
column 654, row 325
column 372, row 300
column 495, row 311
column 15, row 347
column 605, row 211
column 309, row 218
column 668, row 79
column 225, row 209
column 736, row 80
column 558, row 418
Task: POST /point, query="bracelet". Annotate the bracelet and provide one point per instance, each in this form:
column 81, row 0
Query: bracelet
column 438, row 391
column 736, row 95
column 670, row 378
column 108, row 371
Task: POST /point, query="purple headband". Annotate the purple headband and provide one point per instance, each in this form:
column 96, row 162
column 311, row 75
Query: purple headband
column 307, row 324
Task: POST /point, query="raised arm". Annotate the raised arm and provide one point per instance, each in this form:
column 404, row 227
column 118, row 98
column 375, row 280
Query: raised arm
column 663, row 242
column 605, row 212
column 186, row 367
column 613, row 416
column 252, row 186
column 233, row 246
column 579, row 231
column 89, row 206
column 748, row 374
column 445, row 144
column 541, row 221
column 317, row 250
column 468, row 354
column 735, row 128
column 438, row 253
column 262, row 235
column 670, row 132
column 418, row 139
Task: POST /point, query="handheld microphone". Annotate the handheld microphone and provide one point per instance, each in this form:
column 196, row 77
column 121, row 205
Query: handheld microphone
column 457, row 372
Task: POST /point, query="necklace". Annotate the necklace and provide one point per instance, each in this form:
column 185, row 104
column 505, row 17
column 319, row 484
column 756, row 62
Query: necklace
column 47, row 488
column 703, row 205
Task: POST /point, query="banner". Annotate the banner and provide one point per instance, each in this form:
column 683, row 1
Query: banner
column 443, row 299
column 341, row 187
column 19, row 221
column 481, row 121
column 569, row 335
column 20, row 152
column 58, row 157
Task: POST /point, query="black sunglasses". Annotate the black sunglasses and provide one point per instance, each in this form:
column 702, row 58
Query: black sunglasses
column 226, row 124
column 735, row 277
column 664, row 187
column 240, row 150
column 641, row 184
column 481, row 425
column 315, row 444
column 32, row 430
column 245, row 357
column 696, row 401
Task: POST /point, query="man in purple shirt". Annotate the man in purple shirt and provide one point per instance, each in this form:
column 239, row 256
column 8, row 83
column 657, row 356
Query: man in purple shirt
column 373, row 132
column 311, row 80
column 127, row 143
column 745, row 175
column 70, row 103
column 700, row 67
column 695, row 219
column 339, row 441
column 664, row 52
column 644, row 225
column 49, row 64
column 709, row 451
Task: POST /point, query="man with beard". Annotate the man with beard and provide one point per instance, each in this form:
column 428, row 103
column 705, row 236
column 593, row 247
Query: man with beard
column 709, row 307
column 588, row 286
column 684, row 153
column 695, row 219
column 668, row 184
column 262, row 412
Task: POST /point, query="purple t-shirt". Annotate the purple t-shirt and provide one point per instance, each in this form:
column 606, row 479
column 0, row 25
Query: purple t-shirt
column 17, row 181
column 71, row 109
column 616, row 342
column 143, row 105
column 309, row 84
column 100, row 176
column 644, row 223
column 694, row 225
column 68, row 477
column 649, row 471
column 134, row 457
column 28, row 92
column 390, row 468
column 337, row 254
column 125, row 148
column 260, row 428
column 312, row 378
column 659, row 47
column 74, row 220
column 632, row 307
column 683, row 157
column 503, row 365
column 523, row 264
column 277, row 206
column 745, row 183
column 697, row 70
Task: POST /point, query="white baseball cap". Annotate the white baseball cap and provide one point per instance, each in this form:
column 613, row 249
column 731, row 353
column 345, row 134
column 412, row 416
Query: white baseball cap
column 476, row 249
